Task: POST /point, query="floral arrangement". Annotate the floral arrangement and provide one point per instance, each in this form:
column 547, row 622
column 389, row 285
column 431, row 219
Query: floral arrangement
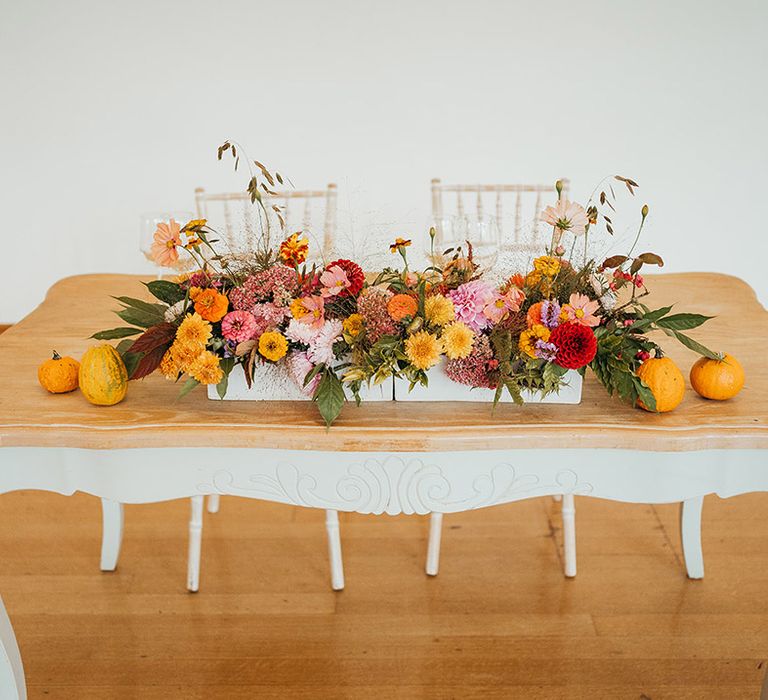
column 334, row 328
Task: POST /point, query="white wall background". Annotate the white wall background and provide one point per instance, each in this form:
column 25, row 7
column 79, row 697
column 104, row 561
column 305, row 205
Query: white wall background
column 110, row 109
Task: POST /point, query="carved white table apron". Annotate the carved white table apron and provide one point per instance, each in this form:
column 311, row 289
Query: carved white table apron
column 381, row 482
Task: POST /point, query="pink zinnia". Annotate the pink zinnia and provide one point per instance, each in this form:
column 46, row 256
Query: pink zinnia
column 239, row 326
column 469, row 301
column 334, row 281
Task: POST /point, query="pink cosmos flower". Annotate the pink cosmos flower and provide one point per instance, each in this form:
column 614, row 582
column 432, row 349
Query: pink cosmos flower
column 566, row 216
column 333, row 281
column 315, row 308
column 581, row 309
column 239, row 326
column 167, row 239
column 502, row 304
column 469, row 301
column 299, row 366
column 321, row 346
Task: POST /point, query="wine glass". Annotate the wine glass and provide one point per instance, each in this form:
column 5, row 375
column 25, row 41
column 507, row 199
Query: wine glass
column 147, row 228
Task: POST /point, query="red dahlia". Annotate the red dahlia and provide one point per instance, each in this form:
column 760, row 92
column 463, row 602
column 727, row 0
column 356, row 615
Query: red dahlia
column 354, row 273
column 576, row 345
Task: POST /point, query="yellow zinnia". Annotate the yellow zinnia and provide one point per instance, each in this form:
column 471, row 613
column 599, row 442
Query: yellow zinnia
column 194, row 332
column 547, row 265
column 438, row 310
column 273, row 345
column 528, row 339
column 353, row 325
column 206, row 368
column 423, row 350
column 457, row 340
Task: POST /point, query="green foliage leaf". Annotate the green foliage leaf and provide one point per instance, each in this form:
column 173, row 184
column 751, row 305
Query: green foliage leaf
column 644, row 393
column 682, row 322
column 692, row 344
column 140, row 317
column 226, row 366
column 150, row 308
column 115, row 333
column 190, row 384
column 169, row 292
column 329, row 396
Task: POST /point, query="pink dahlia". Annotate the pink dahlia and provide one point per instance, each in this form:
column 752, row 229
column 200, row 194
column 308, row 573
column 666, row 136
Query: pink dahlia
column 372, row 306
column 469, row 301
column 321, row 346
column 239, row 326
column 299, row 366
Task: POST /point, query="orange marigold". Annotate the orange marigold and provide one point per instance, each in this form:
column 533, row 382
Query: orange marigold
column 534, row 315
column 211, row 305
column 402, row 305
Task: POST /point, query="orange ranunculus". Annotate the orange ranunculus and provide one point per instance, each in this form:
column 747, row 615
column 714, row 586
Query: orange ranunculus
column 211, row 305
column 402, row 305
column 534, row 315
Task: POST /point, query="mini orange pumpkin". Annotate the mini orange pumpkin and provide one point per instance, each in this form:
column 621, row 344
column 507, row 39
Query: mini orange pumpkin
column 717, row 379
column 665, row 380
column 59, row 374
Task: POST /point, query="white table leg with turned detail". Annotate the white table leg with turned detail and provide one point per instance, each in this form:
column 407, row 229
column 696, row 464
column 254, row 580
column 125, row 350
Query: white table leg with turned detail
column 112, row 520
column 690, row 533
column 12, row 683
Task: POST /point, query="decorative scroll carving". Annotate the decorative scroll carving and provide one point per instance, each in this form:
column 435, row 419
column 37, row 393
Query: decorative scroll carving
column 396, row 484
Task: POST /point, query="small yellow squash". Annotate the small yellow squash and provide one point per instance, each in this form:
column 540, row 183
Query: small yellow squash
column 717, row 379
column 103, row 377
column 59, row 374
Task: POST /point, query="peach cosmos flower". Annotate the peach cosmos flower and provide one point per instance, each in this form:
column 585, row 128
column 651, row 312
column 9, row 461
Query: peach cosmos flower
column 334, row 281
column 312, row 311
column 580, row 309
column 503, row 304
column 566, row 216
column 166, row 240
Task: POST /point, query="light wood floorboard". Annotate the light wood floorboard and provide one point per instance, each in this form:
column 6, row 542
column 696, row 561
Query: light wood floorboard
column 500, row 621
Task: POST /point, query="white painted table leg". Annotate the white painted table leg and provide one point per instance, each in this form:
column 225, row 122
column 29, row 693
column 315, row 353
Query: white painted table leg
column 111, row 533
column 690, row 531
column 433, row 545
column 334, row 550
column 569, row 534
column 195, row 543
column 12, row 683
column 213, row 503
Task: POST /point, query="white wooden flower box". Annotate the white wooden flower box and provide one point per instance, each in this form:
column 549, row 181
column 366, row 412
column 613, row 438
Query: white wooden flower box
column 274, row 383
column 441, row 388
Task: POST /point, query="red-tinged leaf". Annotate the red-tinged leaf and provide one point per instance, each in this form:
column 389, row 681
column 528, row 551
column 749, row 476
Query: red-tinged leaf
column 614, row 261
column 150, row 362
column 161, row 334
column 651, row 259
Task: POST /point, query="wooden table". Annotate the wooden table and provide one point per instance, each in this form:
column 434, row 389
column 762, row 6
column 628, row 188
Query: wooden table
column 384, row 457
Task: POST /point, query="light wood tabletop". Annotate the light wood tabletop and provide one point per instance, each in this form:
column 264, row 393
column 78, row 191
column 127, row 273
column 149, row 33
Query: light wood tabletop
column 153, row 416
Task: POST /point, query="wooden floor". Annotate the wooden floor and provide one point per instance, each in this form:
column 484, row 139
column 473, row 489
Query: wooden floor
column 499, row 621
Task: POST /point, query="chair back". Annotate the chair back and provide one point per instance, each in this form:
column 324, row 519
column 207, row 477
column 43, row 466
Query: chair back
column 482, row 209
column 241, row 223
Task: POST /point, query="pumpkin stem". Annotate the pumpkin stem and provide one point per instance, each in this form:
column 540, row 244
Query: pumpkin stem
column 56, row 355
